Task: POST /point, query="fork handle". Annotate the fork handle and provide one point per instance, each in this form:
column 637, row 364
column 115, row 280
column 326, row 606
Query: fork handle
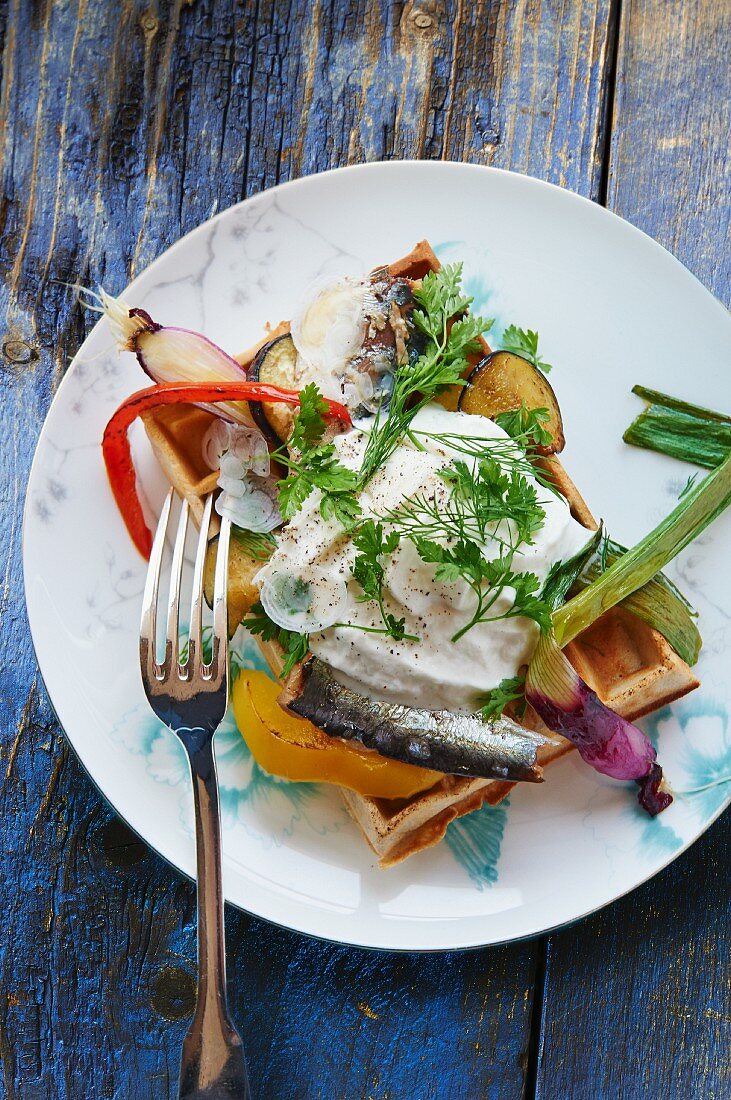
column 212, row 1065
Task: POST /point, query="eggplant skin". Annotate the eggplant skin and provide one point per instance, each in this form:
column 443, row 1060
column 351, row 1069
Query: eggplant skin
column 456, row 744
column 274, row 364
column 501, row 382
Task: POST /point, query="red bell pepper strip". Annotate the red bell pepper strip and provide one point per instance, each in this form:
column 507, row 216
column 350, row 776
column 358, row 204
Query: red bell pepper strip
column 115, row 442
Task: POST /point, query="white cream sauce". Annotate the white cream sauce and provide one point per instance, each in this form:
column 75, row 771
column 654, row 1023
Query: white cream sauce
column 434, row 672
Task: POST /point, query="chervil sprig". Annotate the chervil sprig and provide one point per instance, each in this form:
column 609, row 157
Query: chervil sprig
column 295, row 645
column 509, row 690
column 451, row 337
column 313, row 464
column 372, row 544
column 526, row 425
column 524, row 342
column 475, row 510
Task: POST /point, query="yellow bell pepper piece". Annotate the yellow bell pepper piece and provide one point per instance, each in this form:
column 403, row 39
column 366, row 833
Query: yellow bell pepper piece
column 295, row 749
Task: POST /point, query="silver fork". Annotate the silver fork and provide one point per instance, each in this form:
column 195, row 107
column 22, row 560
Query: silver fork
column 191, row 699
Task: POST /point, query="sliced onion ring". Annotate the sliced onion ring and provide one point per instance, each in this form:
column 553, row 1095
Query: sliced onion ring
column 305, row 604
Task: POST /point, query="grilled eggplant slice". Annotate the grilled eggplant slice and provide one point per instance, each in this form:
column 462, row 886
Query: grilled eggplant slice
column 242, row 568
column 502, row 382
column 456, row 744
column 275, row 364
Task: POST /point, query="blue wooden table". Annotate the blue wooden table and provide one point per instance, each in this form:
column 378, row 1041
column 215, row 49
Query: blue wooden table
column 122, row 126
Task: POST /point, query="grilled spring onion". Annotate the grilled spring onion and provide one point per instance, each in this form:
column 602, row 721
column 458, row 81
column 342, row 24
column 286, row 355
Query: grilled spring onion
column 658, row 603
column 676, row 428
column 699, row 507
column 607, row 742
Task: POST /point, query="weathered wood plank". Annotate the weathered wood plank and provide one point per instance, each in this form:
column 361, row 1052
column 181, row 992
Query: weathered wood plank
column 670, row 163
column 122, row 126
column 636, row 999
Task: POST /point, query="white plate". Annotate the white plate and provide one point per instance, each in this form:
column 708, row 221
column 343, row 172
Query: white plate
column 612, row 308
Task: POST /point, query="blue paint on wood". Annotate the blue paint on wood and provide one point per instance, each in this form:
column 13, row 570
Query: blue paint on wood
column 122, row 127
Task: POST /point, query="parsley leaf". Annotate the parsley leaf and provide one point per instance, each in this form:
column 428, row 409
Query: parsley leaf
column 524, row 342
column 452, row 335
column 510, row 690
column 313, row 464
column 310, row 422
column 295, row 645
column 526, row 424
column 368, row 571
column 258, row 622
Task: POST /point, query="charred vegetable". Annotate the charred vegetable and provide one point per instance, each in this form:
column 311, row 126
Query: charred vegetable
column 503, row 382
column 607, row 742
column 294, row 748
column 168, row 354
column 275, row 363
column 458, row 744
column 676, row 428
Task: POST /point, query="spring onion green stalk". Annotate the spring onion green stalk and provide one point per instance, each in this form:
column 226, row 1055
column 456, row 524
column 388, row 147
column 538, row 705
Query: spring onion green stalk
column 605, row 740
column 679, row 429
column 658, row 603
column 699, row 507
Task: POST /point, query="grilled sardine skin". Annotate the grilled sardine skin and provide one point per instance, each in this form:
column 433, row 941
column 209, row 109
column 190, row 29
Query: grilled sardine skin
column 457, row 744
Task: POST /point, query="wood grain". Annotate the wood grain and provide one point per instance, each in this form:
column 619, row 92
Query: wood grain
column 636, row 999
column 121, row 127
column 670, row 162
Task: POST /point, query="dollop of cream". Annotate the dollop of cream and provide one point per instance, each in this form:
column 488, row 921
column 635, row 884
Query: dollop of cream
column 434, row 672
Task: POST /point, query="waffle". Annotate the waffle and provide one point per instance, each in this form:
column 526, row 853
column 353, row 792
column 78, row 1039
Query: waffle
column 631, row 667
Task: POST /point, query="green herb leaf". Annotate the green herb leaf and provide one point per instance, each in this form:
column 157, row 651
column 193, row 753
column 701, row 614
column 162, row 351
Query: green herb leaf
column 313, row 464
column 451, row 339
column 526, row 424
column 510, row 690
column 367, row 569
column 688, row 485
column 311, row 419
column 524, row 342
column 258, row 622
column 295, row 646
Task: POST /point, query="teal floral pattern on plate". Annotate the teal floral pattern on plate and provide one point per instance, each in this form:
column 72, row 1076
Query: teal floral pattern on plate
column 475, row 842
column 268, row 807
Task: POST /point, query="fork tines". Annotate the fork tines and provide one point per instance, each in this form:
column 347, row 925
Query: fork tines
column 194, row 671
